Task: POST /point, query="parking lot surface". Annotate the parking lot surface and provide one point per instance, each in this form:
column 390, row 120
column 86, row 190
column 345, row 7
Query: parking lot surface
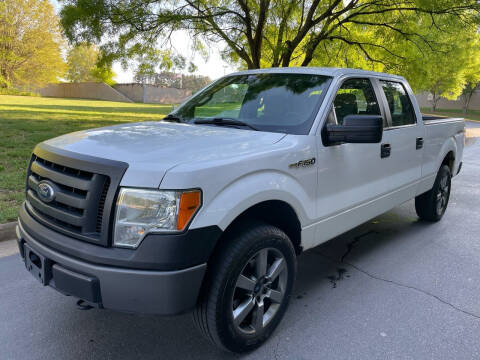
column 393, row 288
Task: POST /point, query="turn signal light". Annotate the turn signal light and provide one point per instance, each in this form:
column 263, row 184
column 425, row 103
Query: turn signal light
column 189, row 203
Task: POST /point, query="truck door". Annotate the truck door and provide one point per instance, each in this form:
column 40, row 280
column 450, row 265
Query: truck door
column 404, row 136
column 351, row 177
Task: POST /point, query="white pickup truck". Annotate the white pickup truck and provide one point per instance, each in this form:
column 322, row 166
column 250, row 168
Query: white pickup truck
column 208, row 209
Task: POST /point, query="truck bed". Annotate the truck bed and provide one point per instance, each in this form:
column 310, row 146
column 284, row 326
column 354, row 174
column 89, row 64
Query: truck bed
column 437, row 130
column 429, row 119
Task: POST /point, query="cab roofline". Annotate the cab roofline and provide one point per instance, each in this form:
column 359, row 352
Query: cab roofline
column 326, row 71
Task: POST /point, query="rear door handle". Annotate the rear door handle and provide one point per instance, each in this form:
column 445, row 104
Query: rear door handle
column 419, row 144
column 385, row 150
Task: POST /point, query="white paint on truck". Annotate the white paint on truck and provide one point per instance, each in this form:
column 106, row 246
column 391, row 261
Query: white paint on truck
column 238, row 168
column 208, row 209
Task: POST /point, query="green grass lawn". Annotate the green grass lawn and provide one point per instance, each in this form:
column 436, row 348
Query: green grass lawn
column 473, row 115
column 26, row 121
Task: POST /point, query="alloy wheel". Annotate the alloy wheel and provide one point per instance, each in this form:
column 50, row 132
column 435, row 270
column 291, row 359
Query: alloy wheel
column 443, row 194
column 259, row 291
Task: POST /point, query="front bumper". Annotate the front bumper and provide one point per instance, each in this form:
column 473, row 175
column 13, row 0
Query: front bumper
column 113, row 287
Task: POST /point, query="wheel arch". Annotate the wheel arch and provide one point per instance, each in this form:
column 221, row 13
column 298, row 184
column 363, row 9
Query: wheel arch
column 277, row 213
column 449, row 160
column 448, row 155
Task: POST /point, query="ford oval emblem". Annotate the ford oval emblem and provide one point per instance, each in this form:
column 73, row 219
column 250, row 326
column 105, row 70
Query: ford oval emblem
column 45, row 191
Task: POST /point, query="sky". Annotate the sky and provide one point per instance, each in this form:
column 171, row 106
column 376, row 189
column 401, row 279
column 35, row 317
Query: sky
column 214, row 67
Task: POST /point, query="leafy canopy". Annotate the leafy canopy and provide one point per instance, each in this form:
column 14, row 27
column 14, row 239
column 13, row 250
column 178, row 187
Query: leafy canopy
column 260, row 33
column 30, row 44
column 83, row 65
column 433, row 43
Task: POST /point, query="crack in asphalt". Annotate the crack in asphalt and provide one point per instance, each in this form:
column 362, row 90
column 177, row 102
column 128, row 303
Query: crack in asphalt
column 352, row 243
column 392, row 282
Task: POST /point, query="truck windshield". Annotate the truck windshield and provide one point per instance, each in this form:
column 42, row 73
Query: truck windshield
column 284, row 103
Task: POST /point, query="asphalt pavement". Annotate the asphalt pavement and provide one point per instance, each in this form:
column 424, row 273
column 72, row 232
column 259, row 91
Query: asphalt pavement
column 393, row 288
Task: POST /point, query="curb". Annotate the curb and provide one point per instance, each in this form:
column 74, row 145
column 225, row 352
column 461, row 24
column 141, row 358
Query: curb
column 7, row 231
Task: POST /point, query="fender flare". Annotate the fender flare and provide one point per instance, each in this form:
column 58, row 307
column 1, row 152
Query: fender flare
column 449, row 146
column 268, row 185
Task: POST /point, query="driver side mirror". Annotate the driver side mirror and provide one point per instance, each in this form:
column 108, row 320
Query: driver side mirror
column 356, row 129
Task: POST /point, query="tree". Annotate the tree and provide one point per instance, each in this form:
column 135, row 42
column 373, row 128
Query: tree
column 175, row 80
column 81, row 60
column 104, row 73
column 152, row 63
column 83, row 65
column 446, row 72
column 472, row 76
column 470, row 88
column 30, row 44
column 195, row 82
column 163, row 79
column 259, row 33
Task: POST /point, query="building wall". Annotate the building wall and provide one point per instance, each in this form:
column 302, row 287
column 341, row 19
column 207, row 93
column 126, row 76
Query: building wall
column 450, row 104
column 119, row 92
column 84, row 90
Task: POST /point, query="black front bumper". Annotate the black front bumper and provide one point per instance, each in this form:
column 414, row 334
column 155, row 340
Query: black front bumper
column 158, row 281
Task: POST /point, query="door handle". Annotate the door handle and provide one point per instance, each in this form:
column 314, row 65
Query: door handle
column 419, row 144
column 385, row 150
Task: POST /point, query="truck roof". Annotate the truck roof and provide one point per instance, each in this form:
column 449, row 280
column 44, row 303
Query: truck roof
column 327, row 71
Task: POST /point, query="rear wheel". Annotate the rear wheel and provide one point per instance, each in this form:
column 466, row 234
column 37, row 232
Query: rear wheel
column 431, row 205
column 247, row 289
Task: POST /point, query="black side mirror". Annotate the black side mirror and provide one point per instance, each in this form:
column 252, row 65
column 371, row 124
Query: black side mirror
column 359, row 129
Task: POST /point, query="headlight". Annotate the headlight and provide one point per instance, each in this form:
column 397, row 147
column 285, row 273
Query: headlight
column 142, row 211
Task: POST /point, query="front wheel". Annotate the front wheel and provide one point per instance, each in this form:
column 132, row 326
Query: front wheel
column 431, row 205
column 247, row 288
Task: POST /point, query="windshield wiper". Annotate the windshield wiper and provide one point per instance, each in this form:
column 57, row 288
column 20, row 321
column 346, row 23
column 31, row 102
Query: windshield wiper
column 172, row 118
column 225, row 122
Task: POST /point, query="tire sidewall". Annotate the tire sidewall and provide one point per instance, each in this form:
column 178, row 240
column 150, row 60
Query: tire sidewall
column 232, row 338
column 444, row 170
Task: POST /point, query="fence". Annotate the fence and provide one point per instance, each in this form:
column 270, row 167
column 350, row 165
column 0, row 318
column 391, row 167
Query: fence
column 119, row 92
column 423, row 101
column 160, row 95
column 152, row 94
column 85, row 90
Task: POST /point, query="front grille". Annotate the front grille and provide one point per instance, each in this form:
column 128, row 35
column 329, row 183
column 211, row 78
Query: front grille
column 79, row 200
column 101, row 205
column 85, row 188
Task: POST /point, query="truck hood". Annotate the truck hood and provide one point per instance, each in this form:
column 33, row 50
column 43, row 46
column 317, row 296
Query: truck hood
column 152, row 148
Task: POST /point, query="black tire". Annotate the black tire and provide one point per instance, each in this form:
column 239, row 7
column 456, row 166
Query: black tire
column 431, row 206
column 222, row 297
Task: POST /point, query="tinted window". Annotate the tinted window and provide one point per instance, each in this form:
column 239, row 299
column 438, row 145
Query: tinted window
column 355, row 97
column 270, row 102
column 399, row 103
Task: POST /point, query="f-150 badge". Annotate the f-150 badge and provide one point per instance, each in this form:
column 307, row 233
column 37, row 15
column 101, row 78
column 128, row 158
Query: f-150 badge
column 303, row 163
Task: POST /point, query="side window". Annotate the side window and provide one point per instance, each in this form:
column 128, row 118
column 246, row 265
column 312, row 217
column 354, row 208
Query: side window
column 399, row 103
column 355, row 97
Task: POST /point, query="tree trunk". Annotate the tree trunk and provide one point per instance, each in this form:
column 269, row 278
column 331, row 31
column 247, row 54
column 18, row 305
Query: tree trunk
column 287, row 54
column 434, row 103
column 467, row 102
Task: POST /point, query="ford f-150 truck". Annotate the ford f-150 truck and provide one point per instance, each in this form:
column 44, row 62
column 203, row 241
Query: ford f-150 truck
column 208, row 209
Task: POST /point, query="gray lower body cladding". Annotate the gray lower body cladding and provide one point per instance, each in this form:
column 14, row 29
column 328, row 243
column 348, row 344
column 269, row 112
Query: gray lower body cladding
column 122, row 288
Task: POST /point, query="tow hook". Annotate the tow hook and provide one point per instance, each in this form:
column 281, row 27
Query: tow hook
column 83, row 305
